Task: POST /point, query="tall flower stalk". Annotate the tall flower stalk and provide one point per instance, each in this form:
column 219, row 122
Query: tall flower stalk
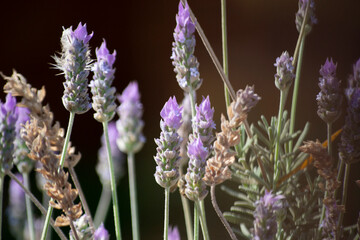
column 74, row 62
column 103, row 102
column 168, row 150
column 130, row 141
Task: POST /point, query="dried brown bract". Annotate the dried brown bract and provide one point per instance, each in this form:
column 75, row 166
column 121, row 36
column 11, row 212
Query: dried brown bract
column 35, row 135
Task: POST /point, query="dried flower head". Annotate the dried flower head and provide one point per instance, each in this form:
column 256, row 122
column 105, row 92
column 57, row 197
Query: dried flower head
column 8, row 119
column 167, row 156
column 74, row 62
column 247, row 98
column 300, row 15
column 184, row 61
column 329, row 99
column 130, row 124
column 284, row 71
column 101, row 233
column 103, row 94
column 265, row 214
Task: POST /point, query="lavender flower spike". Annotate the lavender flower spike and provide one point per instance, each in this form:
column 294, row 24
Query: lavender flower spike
column 329, row 99
column 8, row 118
column 173, row 233
column 300, row 15
column 267, row 209
column 203, row 123
column 284, row 71
column 184, row 61
column 103, row 94
column 74, row 62
column 130, row 124
column 101, row 233
column 168, row 150
column 102, row 167
column 354, row 80
column 195, row 188
column 248, row 98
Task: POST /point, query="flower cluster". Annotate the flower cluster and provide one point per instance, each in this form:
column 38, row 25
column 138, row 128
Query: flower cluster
column 167, row 157
column 284, row 71
column 184, row 61
column 74, row 62
column 329, row 99
column 265, row 214
column 130, row 124
column 247, row 98
column 83, row 229
column 300, row 15
column 103, row 94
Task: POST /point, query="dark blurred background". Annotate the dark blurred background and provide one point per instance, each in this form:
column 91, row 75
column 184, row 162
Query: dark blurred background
column 141, row 32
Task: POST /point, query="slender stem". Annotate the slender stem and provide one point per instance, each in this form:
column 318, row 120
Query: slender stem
column 186, row 209
column 37, row 204
column 112, row 183
column 204, row 227
column 329, row 132
column 73, row 229
column 192, row 103
column 62, row 161
column 296, row 91
column 2, row 176
column 29, row 211
column 81, row 195
column 341, row 169
column 344, row 195
column 225, row 50
column 211, row 53
column 103, row 206
column 219, row 213
column 166, row 213
column 133, row 197
column 196, row 221
column 283, row 96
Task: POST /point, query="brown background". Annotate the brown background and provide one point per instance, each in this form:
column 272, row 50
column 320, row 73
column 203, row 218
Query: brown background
column 141, row 32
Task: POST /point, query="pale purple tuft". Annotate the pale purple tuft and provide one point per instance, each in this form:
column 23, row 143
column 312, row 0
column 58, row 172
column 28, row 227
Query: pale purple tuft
column 101, row 233
column 248, row 98
column 173, row 233
column 353, row 81
column 103, row 94
column 130, row 124
column 80, row 34
column 329, row 99
column 8, row 119
column 171, row 113
column 284, row 71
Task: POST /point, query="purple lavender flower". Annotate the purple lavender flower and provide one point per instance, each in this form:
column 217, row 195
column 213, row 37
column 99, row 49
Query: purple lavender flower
column 168, row 150
column 102, row 167
column 195, row 188
column 349, row 149
column 184, row 61
column 353, row 81
column 23, row 163
column 130, row 124
column 299, row 16
column 74, row 62
column 103, row 94
column 101, row 233
column 329, row 99
column 329, row 224
column 8, row 118
column 16, row 210
column 266, row 210
column 173, row 233
column 248, row 98
column 284, row 71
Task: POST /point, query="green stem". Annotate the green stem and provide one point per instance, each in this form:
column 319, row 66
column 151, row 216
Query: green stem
column 196, row 221
column 2, row 176
column 283, row 96
column 219, row 213
column 296, row 91
column 166, row 212
column 62, row 161
column 81, row 195
column 203, row 223
column 192, row 103
column 103, row 206
column 225, row 50
column 186, row 209
column 133, row 197
column 344, row 195
column 29, row 211
column 112, row 183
